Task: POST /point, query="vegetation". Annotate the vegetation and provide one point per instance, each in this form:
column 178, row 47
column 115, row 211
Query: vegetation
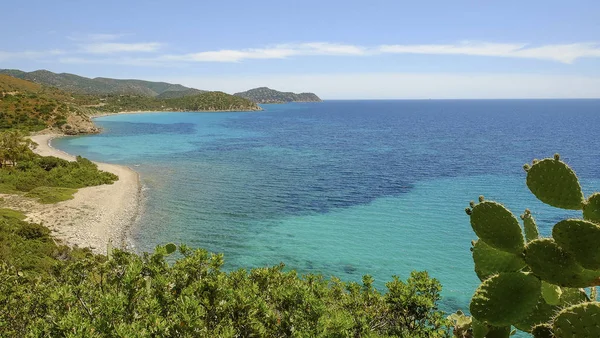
column 206, row 101
column 49, row 179
column 267, row 95
column 536, row 284
column 50, row 195
column 48, row 289
column 128, row 295
column 98, row 86
column 31, row 107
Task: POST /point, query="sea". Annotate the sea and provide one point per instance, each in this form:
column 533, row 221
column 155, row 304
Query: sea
column 344, row 188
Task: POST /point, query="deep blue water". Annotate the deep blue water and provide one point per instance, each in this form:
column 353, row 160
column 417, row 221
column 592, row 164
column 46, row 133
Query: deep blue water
column 345, row 188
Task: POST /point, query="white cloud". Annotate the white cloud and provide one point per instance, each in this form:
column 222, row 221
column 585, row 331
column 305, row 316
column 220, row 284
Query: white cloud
column 29, row 55
column 101, row 44
column 565, row 53
column 115, row 47
column 95, row 37
column 273, row 52
column 408, row 85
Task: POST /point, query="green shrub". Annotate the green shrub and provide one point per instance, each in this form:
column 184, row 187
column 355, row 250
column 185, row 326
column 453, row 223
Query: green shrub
column 49, row 195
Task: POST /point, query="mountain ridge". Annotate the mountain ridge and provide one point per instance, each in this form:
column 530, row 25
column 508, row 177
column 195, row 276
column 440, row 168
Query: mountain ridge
column 98, row 85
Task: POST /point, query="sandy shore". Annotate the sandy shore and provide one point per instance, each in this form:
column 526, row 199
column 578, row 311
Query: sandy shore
column 96, row 214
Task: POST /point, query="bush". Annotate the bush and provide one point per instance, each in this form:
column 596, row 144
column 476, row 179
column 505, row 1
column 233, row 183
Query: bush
column 33, row 231
column 49, row 195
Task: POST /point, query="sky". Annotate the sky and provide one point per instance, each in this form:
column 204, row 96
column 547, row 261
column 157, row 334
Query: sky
column 338, row 49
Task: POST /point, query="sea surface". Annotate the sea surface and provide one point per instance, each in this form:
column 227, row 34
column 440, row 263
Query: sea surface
column 345, row 188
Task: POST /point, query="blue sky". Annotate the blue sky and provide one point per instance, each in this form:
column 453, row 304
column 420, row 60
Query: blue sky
column 338, row 49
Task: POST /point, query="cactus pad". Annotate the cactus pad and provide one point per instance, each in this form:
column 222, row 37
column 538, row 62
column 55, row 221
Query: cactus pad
column 170, row 248
column 580, row 321
column 554, row 183
column 506, row 298
column 554, row 265
column 531, row 229
column 542, row 313
column 542, row 331
column 572, row 296
column 497, row 226
column 580, row 239
column 551, row 293
column 480, row 329
column 591, row 208
column 490, row 261
column 498, row 332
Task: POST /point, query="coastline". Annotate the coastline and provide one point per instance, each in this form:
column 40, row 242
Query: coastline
column 96, row 215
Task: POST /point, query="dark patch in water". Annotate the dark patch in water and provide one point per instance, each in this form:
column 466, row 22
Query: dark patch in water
column 130, row 128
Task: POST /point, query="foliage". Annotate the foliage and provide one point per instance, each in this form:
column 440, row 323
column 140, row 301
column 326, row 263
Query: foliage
column 52, row 172
column 28, row 106
column 536, row 284
column 14, row 148
column 267, row 95
column 206, row 101
column 27, row 247
column 50, row 195
column 98, row 86
column 145, row 296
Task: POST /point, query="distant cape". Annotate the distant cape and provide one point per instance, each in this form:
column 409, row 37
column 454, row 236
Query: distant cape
column 268, row 95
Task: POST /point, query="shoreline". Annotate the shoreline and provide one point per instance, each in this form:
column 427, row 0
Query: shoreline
column 96, row 215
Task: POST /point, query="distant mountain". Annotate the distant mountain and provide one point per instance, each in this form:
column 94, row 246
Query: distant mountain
column 101, row 86
column 267, row 95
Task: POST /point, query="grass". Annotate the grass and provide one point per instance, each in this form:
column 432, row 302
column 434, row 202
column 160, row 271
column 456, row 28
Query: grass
column 49, row 195
column 11, row 214
column 6, row 188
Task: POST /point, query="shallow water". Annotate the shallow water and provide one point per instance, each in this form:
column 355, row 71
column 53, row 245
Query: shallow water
column 344, row 188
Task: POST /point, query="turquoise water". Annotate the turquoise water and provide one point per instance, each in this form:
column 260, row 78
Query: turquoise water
column 344, row 188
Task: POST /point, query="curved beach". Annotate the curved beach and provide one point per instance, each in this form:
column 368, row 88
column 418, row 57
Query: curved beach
column 97, row 214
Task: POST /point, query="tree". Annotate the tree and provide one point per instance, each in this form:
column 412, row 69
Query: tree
column 15, row 147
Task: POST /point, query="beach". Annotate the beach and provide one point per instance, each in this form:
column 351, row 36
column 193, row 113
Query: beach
column 97, row 214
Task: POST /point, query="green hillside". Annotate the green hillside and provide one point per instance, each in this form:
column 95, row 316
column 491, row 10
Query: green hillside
column 32, row 107
column 205, row 101
column 267, row 95
column 97, row 86
column 29, row 106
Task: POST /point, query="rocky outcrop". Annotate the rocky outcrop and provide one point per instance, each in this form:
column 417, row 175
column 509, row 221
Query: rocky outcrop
column 79, row 124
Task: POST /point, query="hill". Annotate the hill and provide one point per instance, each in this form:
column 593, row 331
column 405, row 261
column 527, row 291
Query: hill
column 267, row 95
column 29, row 106
column 33, row 107
column 205, row 101
column 100, row 85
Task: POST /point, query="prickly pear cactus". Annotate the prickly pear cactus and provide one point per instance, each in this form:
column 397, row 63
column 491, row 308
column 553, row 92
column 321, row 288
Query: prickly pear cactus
column 591, row 208
column 553, row 264
column 506, row 298
column 497, row 226
column 554, row 183
column 545, row 286
column 581, row 239
column 531, row 229
column 578, row 321
column 170, row 247
column 490, row 261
